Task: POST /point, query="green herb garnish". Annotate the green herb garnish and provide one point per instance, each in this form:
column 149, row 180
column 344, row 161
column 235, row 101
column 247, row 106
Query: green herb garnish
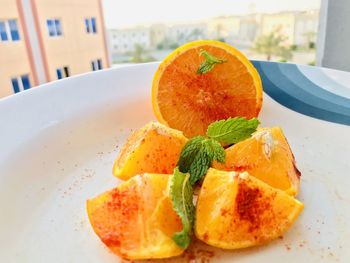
column 208, row 64
column 232, row 130
column 181, row 194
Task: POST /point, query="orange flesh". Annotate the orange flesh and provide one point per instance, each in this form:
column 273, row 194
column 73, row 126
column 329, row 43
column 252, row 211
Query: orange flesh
column 190, row 102
column 233, row 212
column 127, row 218
column 278, row 169
column 154, row 148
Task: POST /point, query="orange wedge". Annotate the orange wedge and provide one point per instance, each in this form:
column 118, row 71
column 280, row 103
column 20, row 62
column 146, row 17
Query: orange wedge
column 136, row 220
column 268, row 157
column 154, row 148
column 236, row 210
column 188, row 101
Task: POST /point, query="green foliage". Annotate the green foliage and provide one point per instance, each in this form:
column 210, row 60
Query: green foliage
column 173, row 45
column 294, row 47
column 140, row 55
column 312, row 45
column 221, row 39
column 273, row 44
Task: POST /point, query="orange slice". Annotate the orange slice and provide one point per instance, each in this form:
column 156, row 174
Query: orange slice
column 268, row 157
column 154, row 148
column 136, row 220
column 188, row 101
column 235, row 210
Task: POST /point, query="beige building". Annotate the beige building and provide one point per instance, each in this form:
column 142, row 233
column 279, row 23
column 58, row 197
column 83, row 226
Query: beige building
column 14, row 56
column 158, row 34
column 224, row 27
column 125, row 40
column 306, row 26
column 300, row 28
column 282, row 22
column 49, row 40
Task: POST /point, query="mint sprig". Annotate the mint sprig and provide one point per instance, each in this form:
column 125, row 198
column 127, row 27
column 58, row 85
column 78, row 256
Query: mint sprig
column 197, row 156
column 232, row 130
column 194, row 161
column 181, row 194
column 208, row 64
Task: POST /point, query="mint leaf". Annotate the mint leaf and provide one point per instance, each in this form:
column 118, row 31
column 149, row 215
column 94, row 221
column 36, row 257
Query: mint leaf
column 199, row 166
column 189, row 153
column 181, row 195
column 232, row 130
column 208, row 64
column 197, row 156
column 214, row 150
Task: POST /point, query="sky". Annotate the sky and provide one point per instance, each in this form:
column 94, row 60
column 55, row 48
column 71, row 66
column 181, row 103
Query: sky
column 125, row 13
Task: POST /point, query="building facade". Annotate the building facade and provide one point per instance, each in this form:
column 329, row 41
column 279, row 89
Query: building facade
column 16, row 73
column 306, row 27
column 299, row 28
column 125, row 40
column 46, row 40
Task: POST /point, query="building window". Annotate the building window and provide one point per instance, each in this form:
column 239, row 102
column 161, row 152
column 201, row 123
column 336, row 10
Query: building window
column 9, row 30
column 96, row 64
column 20, row 83
column 59, row 73
column 54, row 27
column 62, row 72
column 90, row 25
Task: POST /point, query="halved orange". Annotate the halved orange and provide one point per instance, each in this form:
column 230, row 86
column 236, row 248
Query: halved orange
column 236, row 210
column 188, row 101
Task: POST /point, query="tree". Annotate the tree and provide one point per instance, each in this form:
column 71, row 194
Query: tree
column 273, row 45
column 195, row 34
column 140, row 55
column 310, row 36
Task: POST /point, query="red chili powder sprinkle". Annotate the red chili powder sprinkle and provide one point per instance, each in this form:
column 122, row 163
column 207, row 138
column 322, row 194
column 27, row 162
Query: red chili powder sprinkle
column 223, row 211
column 198, row 252
column 205, row 236
column 241, row 168
column 250, row 205
column 124, row 206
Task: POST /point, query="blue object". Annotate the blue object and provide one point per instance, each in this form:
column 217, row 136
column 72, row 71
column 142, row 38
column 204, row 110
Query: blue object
column 87, row 25
column 287, row 85
column 93, row 65
column 58, row 27
column 15, row 85
column 93, row 25
column 51, row 27
column 3, row 33
column 59, row 73
column 25, row 82
column 14, row 30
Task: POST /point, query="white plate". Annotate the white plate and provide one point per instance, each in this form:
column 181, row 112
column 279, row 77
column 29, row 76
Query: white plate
column 58, row 143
